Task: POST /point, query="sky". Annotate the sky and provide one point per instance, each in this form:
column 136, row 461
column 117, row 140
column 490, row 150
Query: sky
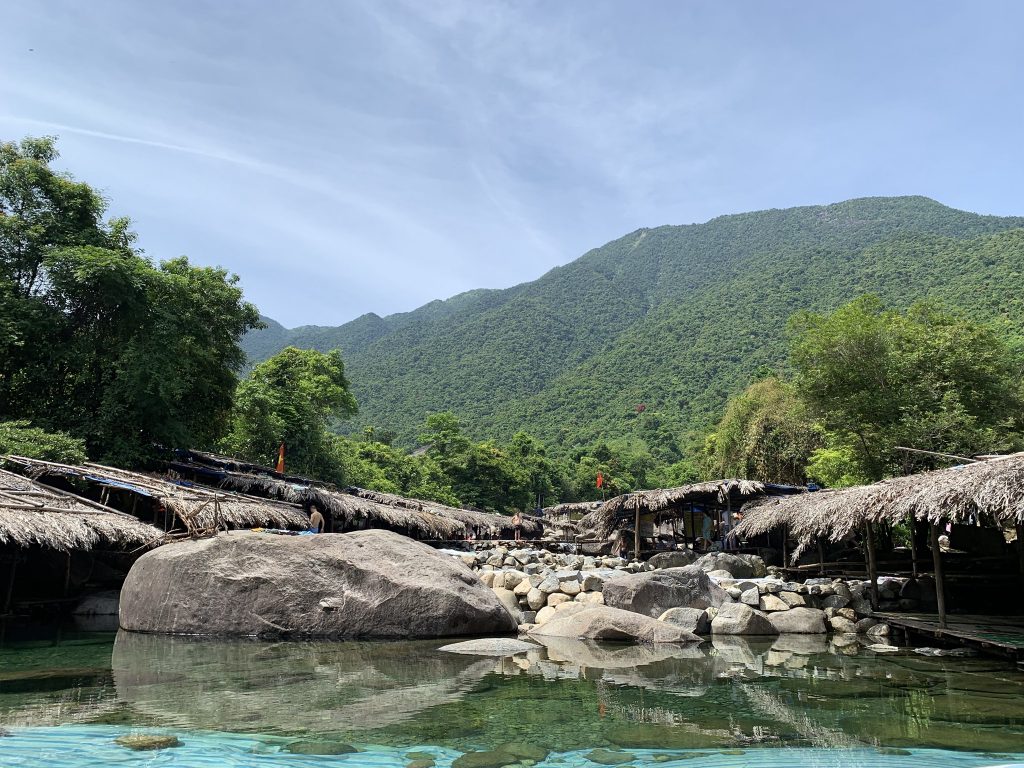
column 353, row 156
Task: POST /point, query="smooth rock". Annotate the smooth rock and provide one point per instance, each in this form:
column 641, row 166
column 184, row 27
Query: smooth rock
column 557, row 598
column 792, row 599
column 675, row 559
column 536, row 599
column 751, row 597
column 864, row 625
column 509, row 600
column 842, row 625
column 739, row 566
column 600, row 622
column 772, row 603
column 740, row 619
column 570, row 588
column 799, row 621
column 693, row 620
column 490, row 646
column 145, row 742
column 372, row 584
column 654, row 592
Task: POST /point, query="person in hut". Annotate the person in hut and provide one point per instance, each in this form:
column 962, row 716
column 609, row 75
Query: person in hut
column 316, row 520
column 517, row 526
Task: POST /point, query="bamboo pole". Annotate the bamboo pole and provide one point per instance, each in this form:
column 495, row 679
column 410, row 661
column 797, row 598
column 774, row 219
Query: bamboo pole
column 821, row 558
column 636, row 536
column 913, row 545
column 940, row 591
column 869, row 547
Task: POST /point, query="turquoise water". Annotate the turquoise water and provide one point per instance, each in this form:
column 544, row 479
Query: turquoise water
column 65, row 699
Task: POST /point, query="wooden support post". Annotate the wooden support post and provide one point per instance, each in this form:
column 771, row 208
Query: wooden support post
column 636, row 536
column 67, row 572
column 913, row 546
column 940, row 591
column 869, row 548
column 821, row 558
column 785, row 547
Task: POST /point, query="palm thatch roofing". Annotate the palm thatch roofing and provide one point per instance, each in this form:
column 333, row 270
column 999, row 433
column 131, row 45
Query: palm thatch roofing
column 196, row 507
column 32, row 514
column 604, row 520
column 993, row 487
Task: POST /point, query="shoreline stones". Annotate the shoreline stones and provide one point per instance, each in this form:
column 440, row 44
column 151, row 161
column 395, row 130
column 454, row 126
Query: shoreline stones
column 601, row 622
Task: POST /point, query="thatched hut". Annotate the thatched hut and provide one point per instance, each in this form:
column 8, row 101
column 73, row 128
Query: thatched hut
column 168, row 504
column 352, row 507
column 699, row 513
column 562, row 520
column 48, row 530
column 990, row 490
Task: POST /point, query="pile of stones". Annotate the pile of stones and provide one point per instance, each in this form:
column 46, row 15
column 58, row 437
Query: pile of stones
column 719, row 593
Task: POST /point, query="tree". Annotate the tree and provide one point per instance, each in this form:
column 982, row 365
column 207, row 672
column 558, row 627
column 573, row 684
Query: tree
column 291, row 398
column 927, row 379
column 19, row 438
column 765, row 434
column 94, row 338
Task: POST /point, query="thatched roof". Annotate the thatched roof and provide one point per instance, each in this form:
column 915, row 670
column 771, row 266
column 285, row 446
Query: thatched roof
column 34, row 514
column 993, row 487
column 573, row 508
column 197, row 507
column 603, row 520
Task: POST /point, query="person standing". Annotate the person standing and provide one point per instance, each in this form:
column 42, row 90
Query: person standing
column 517, row 526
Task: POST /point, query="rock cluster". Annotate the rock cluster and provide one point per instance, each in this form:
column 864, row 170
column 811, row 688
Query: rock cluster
column 720, row 593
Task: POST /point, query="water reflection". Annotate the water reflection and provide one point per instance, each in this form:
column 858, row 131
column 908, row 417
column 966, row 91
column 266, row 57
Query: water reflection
column 729, row 693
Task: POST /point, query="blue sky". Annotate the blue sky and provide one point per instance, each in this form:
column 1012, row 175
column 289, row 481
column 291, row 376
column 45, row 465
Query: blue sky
column 350, row 156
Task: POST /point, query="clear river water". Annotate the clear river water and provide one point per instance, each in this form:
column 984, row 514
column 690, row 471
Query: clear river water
column 67, row 696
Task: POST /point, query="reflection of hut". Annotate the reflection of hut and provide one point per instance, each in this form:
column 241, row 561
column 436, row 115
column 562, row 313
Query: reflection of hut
column 696, row 515
column 352, row 508
column 47, row 531
column 168, row 504
column 984, row 494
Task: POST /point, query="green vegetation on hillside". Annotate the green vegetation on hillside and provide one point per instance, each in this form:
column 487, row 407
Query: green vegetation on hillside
column 640, row 343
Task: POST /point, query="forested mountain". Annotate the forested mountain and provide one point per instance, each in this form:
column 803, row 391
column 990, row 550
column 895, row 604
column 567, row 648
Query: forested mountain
column 644, row 338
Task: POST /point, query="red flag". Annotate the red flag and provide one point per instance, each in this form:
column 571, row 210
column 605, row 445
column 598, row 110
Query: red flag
column 600, row 480
column 280, row 458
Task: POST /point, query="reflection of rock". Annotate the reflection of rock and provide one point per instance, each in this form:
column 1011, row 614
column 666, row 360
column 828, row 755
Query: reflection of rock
column 806, row 645
column 586, row 653
column 286, row 687
column 599, row 622
column 364, row 584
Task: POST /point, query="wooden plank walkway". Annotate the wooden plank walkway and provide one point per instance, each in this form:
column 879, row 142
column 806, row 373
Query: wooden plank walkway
column 1000, row 635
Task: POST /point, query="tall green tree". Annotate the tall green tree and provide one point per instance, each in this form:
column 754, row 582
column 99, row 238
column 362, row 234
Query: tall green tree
column 765, row 434
column 292, row 398
column 97, row 340
column 927, row 379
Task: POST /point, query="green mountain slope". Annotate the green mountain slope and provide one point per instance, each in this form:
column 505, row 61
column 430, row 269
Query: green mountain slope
column 674, row 318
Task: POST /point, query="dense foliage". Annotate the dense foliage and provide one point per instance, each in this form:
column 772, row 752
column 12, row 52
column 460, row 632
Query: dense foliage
column 19, row 438
column 95, row 339
column 639, row 344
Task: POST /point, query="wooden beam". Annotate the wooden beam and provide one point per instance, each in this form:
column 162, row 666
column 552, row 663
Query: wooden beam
column 869, row 548
column 636, row 535
column 940, row 592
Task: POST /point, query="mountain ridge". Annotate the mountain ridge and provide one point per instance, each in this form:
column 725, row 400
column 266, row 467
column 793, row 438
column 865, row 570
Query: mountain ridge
column 673, row 317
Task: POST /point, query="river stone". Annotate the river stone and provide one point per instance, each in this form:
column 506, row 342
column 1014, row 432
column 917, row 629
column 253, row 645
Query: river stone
column 487, row 577
column 693, row 620
column 772, row 603
column 320, row 748
column 144, row 742
column 557, row 598
column 523, row 588
column 864, row 625
column 490, row 646
column 367, row 584
column 676, row 559
column 739, row 566
column 842, row 625
column 570, row 588
column 549, row 584
column 610, row 757
column 740, row 619
column 751, row 597
column 878, row 632
column 548, row 612
column 792, row 599
column 799, row 620
column 654, row 592
column 509, row 600
column 536, row 599
column 836, row 601
column 599, row 622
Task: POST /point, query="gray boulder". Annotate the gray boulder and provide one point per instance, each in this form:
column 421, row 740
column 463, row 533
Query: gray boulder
column 677, row 559
column 599, row 622
column 695, row 620
column 654, row 592
column 739, row 566
column 369, row 584
column 490, row 646
column 799, row 621
column 740, row 619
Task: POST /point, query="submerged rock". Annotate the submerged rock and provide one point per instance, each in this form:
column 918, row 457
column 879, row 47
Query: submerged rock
column 492, row 646
column 320, row 748
column 367, row 584
column 610, row 757
column 143, row 742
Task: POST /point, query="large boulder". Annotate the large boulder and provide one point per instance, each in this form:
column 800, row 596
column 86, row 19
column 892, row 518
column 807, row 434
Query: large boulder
column 366, row 584
column 695, row 620
column 599, row 622
column 741, row 619
column 739, row 566
column 801, row 621
column 676, row 559
column 654, row 592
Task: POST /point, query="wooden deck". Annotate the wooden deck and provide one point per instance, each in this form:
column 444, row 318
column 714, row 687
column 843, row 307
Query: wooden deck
column 999, row 635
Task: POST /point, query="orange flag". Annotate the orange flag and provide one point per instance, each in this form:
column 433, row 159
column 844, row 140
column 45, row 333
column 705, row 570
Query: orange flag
column 600, row 480
column 280, row 458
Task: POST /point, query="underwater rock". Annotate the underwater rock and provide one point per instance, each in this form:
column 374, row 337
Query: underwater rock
column 365, row 584
column 610, row 757
column 143, row 742
column 320, row 748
